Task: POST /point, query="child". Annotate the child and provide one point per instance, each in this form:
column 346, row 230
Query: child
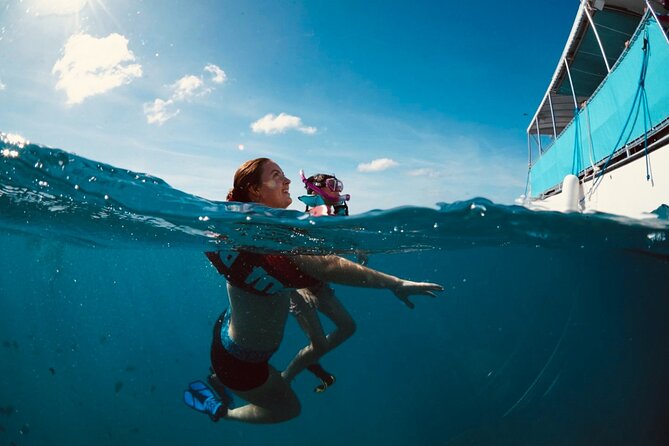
column 323, row 198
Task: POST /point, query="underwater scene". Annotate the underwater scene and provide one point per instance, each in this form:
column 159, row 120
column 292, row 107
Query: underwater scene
column 552, row 328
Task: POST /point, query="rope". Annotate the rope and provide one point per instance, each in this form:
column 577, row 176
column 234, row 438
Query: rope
column 639, row 96
column 527, row 181
column 645, row 133
column 591, row 151
column 576, row 158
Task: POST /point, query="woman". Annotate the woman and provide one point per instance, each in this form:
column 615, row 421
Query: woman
column 259, row 289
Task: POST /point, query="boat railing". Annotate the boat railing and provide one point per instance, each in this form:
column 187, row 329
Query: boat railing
column 631, row 105
column 577, row 108
column 660, row 11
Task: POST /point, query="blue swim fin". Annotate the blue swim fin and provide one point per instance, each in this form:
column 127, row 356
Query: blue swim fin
column 201, row 398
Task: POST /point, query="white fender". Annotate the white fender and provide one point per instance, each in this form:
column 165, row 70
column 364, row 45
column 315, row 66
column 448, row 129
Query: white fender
column 571, row 191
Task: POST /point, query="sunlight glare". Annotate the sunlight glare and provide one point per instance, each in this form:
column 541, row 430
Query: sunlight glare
column 58, row 7
column 13, row 139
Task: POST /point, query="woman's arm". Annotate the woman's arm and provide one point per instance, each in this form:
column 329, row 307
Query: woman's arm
column 339, row 270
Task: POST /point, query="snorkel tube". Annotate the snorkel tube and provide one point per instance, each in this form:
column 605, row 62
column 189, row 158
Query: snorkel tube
column 327, row 196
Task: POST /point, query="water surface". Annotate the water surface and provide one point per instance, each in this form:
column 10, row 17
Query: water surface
column 551, row 330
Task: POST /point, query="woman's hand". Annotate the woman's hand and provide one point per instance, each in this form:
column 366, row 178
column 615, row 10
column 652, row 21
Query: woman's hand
column 406, row 288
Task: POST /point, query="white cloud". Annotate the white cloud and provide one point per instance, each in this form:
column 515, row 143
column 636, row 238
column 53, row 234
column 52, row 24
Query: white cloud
column 2, row 86
column 92, row 66
column 424, row 172
column 377, row 165
column 188, row 87
column 159, row 111
column 218, row 75
column 58, row 7
column 271, row 124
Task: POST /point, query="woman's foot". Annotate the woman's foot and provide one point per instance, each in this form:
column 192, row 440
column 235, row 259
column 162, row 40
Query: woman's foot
column 201, row 398
column 217, row 385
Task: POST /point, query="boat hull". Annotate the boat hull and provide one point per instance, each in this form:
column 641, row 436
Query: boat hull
column 622, row 191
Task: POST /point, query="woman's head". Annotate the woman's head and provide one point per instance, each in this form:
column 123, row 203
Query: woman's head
column 261, row 180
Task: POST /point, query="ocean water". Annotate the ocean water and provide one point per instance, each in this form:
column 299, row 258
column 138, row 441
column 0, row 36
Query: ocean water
column 552, row 329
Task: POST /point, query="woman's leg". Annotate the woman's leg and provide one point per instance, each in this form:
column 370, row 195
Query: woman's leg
column 272, row 402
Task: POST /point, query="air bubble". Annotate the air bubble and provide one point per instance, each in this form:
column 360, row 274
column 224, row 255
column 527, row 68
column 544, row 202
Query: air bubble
column 657, row 237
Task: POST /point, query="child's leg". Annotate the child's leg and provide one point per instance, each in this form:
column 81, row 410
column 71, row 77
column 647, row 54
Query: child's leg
column 310, row 323
column 330, row 306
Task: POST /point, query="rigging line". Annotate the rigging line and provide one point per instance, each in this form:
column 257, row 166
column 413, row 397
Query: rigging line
column 639, row 91
column 645, row 134
column 529, row 165
column 646, row 109
column 527, row 181
column 575, row 159
column 634, row 110
column 591, row 152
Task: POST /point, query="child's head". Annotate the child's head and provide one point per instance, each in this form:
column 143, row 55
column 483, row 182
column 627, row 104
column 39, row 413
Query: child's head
column 324, row 190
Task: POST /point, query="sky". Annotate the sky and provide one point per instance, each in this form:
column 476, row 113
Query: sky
column 407, row 102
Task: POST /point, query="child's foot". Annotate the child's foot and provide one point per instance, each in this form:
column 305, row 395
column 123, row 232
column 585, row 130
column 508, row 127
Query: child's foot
column 325, row 383
column 327, row 378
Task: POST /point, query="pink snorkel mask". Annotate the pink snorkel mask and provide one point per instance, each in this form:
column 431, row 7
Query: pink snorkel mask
column 332, row 195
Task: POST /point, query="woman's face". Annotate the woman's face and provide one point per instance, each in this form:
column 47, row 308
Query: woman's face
column 274, row 187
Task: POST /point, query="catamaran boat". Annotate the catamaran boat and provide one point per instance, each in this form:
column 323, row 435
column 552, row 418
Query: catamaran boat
column 599, row 140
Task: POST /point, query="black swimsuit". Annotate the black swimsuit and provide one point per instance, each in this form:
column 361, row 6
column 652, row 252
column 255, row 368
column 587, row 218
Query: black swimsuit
column 236, row 367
